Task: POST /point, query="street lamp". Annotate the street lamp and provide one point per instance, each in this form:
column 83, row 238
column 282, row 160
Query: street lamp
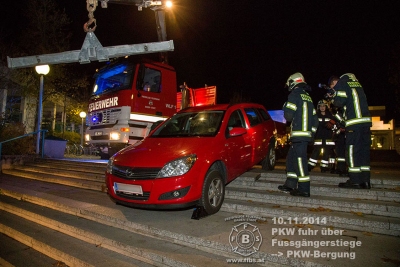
column 42, row 70
column 82, row 115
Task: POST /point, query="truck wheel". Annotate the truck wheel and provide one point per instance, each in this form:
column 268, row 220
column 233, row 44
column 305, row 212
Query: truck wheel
column 213, row 192
column 268, row 164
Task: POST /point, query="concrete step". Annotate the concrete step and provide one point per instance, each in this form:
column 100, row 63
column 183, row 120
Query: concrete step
column 88, row 174
column 317, row 189
column 197, row 251
column 380, row 208
column 93, row 243
column 210, row 235
column 97, row 185
column 255, row 185
column 14, row 253
column 324, row 186
column 97, row 167
column 87, row 163
column 61, row 247
column 59, row 171
column 352, row 220
column 392, row 181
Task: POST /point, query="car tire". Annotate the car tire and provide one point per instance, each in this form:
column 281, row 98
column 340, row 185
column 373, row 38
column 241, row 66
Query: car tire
column 268, row 164
column 213, row 192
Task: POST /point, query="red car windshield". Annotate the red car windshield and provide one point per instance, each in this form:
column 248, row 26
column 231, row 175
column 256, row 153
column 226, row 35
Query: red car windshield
column 205, row 123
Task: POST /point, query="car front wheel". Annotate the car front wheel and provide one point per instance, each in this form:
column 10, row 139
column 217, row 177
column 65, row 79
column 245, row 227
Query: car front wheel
column 213, row 192
column 268, row 163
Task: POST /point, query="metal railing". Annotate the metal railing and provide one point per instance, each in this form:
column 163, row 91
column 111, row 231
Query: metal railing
column 79, row 150
column 25, row 135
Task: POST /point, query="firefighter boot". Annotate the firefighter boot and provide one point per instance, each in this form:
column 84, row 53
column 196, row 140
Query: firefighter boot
column 303, row 190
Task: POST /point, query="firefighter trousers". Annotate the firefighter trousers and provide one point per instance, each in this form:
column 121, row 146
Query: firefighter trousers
column 327, row 154
column 297, row 175
column 358, row 143
column 340, row 149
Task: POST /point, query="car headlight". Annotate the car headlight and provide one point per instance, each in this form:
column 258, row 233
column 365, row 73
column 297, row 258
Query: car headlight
column 177, row 167
column 110, row 165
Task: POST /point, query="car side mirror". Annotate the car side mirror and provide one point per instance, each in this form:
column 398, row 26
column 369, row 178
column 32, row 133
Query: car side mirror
column 237, row 131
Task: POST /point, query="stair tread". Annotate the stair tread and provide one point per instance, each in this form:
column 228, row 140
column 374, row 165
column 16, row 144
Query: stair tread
column 51, row 179
column 310, row 200
column 210, row 234
column 62, row 246
column 389, row 193
column 101, row 235
column 99, row 207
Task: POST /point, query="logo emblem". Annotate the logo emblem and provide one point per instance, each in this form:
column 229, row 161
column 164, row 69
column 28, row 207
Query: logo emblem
column 245, row 239
column 129, row 173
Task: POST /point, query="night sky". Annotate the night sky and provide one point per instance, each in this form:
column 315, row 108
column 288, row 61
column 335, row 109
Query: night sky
column 251, row 47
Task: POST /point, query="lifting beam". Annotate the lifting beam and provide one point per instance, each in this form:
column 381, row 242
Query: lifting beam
column 91, row 50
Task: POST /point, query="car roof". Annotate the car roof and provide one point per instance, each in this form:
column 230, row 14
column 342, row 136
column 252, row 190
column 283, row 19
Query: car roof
column 222, row 107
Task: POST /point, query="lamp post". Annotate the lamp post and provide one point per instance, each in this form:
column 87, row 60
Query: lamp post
column 42, row 70
column 82, row 115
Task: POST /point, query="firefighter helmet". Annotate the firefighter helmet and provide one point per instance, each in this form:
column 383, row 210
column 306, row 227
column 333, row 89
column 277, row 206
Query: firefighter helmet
column 351, row 76
column 323, row 103
column 294, row 80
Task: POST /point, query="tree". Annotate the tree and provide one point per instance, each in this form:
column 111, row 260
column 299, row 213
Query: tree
column 45, row 30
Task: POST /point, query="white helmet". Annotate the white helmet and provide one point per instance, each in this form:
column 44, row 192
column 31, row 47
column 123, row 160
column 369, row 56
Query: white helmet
column 294, row 80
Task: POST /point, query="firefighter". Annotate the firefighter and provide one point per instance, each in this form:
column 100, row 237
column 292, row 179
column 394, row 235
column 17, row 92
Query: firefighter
column 339, row 134
column 323, row 141
column 300, row 112
column 349, row 94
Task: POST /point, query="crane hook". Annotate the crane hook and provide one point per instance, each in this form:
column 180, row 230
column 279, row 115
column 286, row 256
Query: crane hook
column 86, row 26
column 91, row 7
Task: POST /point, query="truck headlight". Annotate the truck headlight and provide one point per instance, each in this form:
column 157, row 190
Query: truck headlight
column 115, row 135
column 178, row 166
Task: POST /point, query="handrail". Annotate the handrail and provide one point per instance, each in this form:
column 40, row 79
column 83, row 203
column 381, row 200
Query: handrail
column 22, row 136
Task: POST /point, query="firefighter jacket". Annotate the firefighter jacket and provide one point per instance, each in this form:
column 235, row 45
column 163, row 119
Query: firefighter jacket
column 339, row 116
column 300, row 112
column 350, row 95
column 324, row 133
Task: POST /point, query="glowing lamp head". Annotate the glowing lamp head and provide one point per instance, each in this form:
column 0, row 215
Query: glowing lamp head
column 168, row 4
column 42, row 69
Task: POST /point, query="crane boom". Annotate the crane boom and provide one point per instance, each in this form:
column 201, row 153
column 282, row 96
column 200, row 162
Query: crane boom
column 93, row 50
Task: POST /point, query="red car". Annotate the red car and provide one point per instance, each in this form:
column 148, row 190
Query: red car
column 188, row 159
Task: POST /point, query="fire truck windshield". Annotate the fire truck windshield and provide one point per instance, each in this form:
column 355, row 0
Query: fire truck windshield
column 113, row 78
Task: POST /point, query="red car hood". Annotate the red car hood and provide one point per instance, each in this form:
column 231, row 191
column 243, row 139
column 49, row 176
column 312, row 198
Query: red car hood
column 156, row 152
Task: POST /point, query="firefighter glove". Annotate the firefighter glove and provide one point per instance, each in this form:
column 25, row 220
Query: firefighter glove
column 330, row 124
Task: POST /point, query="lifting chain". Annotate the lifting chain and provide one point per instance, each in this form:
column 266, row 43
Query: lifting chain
column 91, row 7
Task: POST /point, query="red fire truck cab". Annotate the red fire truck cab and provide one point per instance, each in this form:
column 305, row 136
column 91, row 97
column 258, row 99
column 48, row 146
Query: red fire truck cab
column 128, row 98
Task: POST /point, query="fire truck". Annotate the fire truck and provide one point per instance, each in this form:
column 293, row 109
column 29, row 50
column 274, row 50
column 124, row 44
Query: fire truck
column 129, row 99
